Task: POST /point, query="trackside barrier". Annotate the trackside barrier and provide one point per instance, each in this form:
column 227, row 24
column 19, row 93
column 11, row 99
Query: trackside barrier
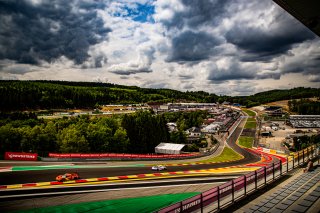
column 114, row 155
column 226, row 194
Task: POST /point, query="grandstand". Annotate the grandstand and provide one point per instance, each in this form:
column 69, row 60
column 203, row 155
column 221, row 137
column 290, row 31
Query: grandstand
column 305, row 121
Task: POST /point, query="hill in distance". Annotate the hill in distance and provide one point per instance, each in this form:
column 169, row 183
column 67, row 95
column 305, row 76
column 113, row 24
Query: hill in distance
column 22, row 95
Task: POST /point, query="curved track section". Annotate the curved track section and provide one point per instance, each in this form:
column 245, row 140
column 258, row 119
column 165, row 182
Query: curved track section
column 249, row 157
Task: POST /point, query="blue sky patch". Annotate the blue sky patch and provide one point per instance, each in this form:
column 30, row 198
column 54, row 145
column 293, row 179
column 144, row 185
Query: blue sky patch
column 140, row 13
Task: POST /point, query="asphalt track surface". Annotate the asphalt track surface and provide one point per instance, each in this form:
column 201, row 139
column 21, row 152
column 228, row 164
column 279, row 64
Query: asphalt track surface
column 19, row 177
column 40, row 192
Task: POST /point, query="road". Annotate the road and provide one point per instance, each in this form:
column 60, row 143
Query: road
column 231, row 141
column 17, row 177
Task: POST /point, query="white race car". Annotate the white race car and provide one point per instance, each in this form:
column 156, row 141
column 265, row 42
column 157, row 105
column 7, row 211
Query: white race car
column 159, row 168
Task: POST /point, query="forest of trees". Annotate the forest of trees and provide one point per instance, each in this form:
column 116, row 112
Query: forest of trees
column 274, row 95
column 23, row 95
column 77, row 134
column 134, row 133
column 33, row 95
column 305, row 107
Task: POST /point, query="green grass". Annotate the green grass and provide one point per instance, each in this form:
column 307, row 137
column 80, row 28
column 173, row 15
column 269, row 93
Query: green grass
column 249, row 112
column 126, row 205
column 251, row 119
column 246, row 141
column 250, row 125
column 227, row 155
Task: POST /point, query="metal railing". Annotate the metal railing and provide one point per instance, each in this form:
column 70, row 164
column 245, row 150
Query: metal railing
column 226, row 194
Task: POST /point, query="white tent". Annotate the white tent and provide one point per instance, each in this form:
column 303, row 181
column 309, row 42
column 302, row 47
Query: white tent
column 169, row 148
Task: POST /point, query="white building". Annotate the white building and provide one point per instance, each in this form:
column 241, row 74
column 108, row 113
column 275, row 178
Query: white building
column 169, row 148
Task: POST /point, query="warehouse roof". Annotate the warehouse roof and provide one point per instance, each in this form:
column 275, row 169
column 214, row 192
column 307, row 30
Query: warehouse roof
column 169, row 148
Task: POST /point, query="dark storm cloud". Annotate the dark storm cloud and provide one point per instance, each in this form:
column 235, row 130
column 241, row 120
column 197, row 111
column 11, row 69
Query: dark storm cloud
column 131, row 70
column 232, row 72
column 197, row 13
column 192, row 46
column 279, row 36
column 49, row 30
column 265, row 44
column 307, row 65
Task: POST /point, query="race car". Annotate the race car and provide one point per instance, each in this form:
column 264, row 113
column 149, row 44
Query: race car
column 68, row 176
column 159, row 167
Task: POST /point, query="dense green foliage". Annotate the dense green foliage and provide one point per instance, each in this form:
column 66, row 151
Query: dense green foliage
column 77, row 134
column 20, row 95
column 305, row 107
column 273, row 95
column 137, row 133
column 130, row 133
column 304, row 141
column 145, row 131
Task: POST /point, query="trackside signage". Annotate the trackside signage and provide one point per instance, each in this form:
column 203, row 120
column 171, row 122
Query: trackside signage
column 20, row 156
column 114, row 155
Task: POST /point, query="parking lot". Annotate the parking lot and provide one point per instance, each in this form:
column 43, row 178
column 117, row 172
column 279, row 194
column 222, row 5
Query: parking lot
column 282, row 134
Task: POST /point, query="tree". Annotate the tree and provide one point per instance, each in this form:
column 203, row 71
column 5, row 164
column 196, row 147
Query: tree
column 99, row 137
column 178, row 137
column 71, row 140
column 145, row 131
column 120, row 141
column 10, row 138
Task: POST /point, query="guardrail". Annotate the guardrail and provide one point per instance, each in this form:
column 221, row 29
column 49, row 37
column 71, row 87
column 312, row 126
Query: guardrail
column 228, row 193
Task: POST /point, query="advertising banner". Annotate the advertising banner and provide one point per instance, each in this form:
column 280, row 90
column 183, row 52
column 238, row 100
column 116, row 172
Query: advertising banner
column 113, row 155
column 20, row 156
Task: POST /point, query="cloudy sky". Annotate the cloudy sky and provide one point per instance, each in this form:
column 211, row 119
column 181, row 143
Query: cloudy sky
column 230, row 47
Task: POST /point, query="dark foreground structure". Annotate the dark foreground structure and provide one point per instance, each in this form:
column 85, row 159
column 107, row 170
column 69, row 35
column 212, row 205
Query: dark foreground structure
column 307, row 12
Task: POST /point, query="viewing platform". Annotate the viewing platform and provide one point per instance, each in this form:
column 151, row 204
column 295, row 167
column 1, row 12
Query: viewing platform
column 299, row 192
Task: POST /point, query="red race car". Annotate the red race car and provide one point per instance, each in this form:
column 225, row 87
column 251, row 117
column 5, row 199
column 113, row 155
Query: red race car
column 68, row 176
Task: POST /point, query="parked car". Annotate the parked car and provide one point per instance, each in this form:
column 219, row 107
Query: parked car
column 68, row 176
column 159, row 168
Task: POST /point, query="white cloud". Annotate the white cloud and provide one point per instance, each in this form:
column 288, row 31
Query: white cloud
column 244, row 48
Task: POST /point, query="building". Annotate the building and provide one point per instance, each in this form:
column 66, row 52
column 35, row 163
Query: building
column 304, row 121
column 274, row 111
column 172, row 127
column 169, row 148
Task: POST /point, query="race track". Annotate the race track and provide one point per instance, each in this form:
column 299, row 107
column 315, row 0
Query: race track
column 18, row 177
